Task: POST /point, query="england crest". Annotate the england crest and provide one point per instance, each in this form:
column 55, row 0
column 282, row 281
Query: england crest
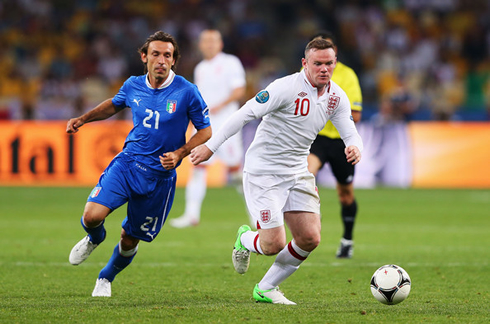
column 265, row 216
column 333, row 103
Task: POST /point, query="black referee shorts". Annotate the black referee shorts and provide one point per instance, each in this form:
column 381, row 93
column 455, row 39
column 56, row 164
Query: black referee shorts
column 331, row 151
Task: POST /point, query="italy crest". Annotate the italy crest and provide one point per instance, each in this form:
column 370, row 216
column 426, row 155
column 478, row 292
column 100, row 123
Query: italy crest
column 171, row 106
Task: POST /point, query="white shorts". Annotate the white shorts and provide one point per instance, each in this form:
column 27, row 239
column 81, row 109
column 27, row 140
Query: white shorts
column 269, row 196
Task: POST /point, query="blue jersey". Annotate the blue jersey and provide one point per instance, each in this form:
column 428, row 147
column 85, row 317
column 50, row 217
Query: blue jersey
column 160, row 116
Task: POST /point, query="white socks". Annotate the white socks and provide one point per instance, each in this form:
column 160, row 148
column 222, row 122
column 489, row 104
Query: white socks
column 129, row 253
column 251, row 241
column 195, row 192
column 286, row 263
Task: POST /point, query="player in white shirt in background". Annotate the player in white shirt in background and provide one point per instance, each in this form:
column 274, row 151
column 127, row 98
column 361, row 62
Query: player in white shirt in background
column 277, row 185
column 220, row 78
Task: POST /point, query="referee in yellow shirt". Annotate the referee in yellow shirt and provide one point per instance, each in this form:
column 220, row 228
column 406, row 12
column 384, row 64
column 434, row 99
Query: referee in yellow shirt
column 328, row 147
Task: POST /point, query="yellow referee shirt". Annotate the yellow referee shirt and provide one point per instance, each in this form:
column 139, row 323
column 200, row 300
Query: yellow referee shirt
column 347, row 79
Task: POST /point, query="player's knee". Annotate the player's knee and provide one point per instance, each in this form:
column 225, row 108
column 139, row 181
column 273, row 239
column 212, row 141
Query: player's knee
column 94, row 214
column 272, row 248
column 346, row 197
column 309, row 242
column 128, row 242
column 346, row 200
column 313, row 241
column 92, row 218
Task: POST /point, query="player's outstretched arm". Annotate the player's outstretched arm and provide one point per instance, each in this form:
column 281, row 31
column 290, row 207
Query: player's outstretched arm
column 353, row 154
column 200, row 154
column 103, row 111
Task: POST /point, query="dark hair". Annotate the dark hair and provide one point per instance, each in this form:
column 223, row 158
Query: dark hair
column 318, row 44
column 325, row 35
column 164, row 37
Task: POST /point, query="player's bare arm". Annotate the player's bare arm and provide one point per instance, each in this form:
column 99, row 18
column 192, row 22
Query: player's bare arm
column 170, row 159
column 103, row 111
column 353, row 154
column 200, row 154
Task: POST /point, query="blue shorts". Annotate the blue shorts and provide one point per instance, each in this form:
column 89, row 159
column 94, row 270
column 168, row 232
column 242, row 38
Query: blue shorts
column 149, row 195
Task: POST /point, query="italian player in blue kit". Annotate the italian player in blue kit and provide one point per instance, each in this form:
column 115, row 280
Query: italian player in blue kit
column 143, row 174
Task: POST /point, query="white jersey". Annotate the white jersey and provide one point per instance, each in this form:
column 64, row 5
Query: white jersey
column 292, row 117
column 216, row 79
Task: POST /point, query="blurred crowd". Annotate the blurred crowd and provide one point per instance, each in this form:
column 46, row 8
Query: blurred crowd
column 416, row 59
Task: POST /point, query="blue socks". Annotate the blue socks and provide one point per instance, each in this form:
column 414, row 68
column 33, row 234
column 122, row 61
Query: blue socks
column 96, row 234
column 119, row 259
column 117, row 263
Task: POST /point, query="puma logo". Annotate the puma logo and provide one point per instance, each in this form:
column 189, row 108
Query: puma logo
column 137, row 102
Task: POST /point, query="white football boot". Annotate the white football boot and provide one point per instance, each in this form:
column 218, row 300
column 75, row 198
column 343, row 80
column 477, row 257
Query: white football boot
column 102, row 288
column 240, row 255
column 273, row 296
column 81, row 251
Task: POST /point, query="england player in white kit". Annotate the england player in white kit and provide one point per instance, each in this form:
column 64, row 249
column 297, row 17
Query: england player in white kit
column 278, row 187
column 220, row 77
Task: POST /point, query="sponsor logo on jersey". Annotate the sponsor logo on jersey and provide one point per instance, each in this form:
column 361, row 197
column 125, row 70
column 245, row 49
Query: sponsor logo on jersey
column 137, row 102
column 171, row 106
column 333, row 103
column 205, row 112
column 265, row 216
column 95, row 192
column 140, row 167
column 302, row 94
column 262, row 96
column 351, row 118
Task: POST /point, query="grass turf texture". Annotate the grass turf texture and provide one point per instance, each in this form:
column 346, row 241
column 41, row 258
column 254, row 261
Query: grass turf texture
column 186, row 276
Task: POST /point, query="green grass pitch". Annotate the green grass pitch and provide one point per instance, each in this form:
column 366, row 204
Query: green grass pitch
column 441, row 237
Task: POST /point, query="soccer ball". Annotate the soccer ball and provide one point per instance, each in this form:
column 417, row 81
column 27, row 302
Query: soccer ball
column 390, row 284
